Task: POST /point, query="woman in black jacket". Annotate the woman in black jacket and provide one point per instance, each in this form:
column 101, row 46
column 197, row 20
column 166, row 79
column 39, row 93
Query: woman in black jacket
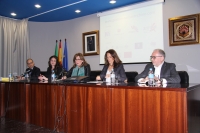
column 53, row 66
column 112, row 63
column 79, row 68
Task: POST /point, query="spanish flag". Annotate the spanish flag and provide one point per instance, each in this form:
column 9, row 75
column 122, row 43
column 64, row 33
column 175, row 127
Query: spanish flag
column 60, row 53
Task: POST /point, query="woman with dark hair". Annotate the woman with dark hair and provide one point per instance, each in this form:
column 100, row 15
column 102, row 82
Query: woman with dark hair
column 80, row 67
column 112, row 62
column 53, row 66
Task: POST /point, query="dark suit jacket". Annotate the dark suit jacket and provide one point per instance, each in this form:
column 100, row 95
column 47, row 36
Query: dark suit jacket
column 57, row 71
column 87, row 71
column 118, row 71
column 35, row 72
column 168, row 72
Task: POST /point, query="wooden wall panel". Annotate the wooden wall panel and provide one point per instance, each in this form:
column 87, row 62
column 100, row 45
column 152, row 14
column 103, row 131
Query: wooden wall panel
column 15, row 99
column 97, row 102
column 133, row 113
column 173, row 112
column 27, row 105
column 117, row 110
column 76, row 109
column 42, row 104
column 150, row 111
column 144, row 106
column 61, row 109
column 96, row 109
column 2, row 99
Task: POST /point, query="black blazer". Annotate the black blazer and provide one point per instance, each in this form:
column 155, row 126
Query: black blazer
column 35, row 72
column 57, row 70
column 168, row 72
column 87, row 71
column 118, row 71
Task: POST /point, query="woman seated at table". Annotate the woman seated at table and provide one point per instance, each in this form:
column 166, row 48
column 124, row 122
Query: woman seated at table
column 112, row 61
column 53, row 66
column 79, row 68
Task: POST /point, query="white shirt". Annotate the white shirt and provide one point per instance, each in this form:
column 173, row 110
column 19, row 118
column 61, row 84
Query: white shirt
column 157, row 72
column 108, row 79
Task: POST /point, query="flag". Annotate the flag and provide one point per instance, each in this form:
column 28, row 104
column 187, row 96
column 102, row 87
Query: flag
column 56, row 49
column 65, row 57
column 60, row 53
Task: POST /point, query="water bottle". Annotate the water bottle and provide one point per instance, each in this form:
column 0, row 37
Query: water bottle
column 151, row 77
column 53, row 76
column 112, row 76
column 27, row 77
column 10, row 77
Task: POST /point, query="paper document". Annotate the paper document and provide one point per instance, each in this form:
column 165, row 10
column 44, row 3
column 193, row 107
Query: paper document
column 95, row 82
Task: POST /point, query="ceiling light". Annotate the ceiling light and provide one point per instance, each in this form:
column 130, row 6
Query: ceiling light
column 13, row 14
column 77, row 11
column 112, row 1
column 37, row 6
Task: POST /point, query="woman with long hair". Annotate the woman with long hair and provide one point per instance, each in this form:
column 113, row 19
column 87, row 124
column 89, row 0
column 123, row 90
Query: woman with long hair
column 53, row 66
column 112, row 62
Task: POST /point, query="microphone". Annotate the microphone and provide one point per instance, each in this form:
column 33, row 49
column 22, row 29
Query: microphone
column 61, row 72
column 22, row 75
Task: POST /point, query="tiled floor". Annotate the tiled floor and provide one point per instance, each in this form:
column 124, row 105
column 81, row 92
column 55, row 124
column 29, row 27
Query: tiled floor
column 12, row 126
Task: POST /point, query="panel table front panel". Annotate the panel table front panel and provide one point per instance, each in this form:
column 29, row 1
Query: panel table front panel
column 87, row 108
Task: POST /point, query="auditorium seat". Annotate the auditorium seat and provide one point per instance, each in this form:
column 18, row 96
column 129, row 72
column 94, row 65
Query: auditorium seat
column 131, row 76
column 43, row 72
column 93, row 74
column 184, row 77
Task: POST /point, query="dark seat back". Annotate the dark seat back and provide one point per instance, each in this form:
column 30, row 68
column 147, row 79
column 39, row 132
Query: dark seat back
column 94, row 74
column 184, row 77
column 131, row 76
column 43, row 72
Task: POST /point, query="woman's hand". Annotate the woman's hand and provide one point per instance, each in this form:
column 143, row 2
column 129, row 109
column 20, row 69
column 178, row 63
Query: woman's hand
column 107, row 76
column 42, row 77
column 98, row 78
column 145, row 79
column 20, row 78
column 64, row 77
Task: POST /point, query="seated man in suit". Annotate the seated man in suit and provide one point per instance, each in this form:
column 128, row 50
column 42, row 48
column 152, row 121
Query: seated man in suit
column 32, row 70
column 164, row 72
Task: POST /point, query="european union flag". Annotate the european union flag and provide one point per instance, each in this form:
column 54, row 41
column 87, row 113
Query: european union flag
column 65, row 57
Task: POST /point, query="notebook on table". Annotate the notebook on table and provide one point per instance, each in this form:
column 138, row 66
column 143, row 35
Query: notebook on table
column 77, row 79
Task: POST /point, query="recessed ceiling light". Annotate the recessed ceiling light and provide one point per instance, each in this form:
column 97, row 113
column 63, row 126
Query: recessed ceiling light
column 37, row 6
column 77, row 11
column 13, row 14
column 112, row 1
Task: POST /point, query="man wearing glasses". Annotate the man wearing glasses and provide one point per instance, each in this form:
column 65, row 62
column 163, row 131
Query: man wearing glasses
column 32, row 70
column 164, row 72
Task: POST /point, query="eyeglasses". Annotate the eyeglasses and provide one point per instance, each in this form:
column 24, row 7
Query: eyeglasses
column 77, row 59
column 154, row 57
column 29, row 63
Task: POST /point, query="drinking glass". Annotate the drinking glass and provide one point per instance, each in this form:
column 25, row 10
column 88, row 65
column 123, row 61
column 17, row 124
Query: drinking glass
column 27, row 78
column 117, row 79
column 15, row 76
column 158, row 77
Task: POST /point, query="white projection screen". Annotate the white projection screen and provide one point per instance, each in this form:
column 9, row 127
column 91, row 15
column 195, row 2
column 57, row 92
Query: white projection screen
column 133, row 34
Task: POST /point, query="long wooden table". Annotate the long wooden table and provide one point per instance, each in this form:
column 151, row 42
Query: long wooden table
column 101, row 108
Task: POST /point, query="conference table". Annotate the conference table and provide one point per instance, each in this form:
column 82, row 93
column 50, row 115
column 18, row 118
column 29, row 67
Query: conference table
column 103, row 108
